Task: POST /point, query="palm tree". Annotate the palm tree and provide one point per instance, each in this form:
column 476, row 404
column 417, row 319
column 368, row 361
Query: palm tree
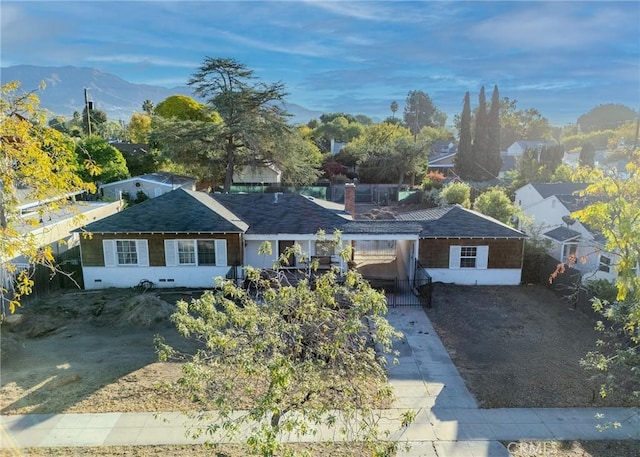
column 147, row 106
column 394, row 108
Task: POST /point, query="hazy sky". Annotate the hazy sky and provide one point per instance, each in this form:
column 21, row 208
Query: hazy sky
column 562, row 58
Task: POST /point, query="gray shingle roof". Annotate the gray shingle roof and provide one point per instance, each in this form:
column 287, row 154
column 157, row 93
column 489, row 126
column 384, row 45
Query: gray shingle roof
column 560, row 188
column 289, row 213
column 562, row 234
column 458, row 222
column 178, row 211
column 388, row 227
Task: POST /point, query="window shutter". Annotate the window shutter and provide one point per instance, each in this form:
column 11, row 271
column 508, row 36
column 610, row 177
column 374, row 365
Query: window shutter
column 482, row 257
column 170, row 257
column 454, row 257
column 109, row 249
column 142, row 249
column 221, row 253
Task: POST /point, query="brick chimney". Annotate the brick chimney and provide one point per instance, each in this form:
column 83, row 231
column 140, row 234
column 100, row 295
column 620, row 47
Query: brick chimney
column 350, row 198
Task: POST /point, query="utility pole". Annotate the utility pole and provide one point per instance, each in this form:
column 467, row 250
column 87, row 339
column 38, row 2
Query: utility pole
column 88, row 106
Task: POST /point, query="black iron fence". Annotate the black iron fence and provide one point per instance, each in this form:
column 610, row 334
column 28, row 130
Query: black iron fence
column 402, row 292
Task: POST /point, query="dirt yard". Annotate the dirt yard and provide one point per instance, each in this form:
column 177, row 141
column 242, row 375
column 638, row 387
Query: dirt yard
column 88, row 352
column 518, row 346
column 93, row 352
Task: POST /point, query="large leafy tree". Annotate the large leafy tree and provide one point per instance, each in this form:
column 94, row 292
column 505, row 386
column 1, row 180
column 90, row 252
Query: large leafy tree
column 420, row 111
column 192, row 146
column 139, row 128
column 615, row 213
column 187, row 134
column 287, row 358
column 299, row 159
column 456, row 193
column 341, row 128
column 518, row 125
column 110, row 162
column 465, row 161
column 37, row 163
column 495, row 203
column 183, row 108
column 606, row 117
column 250, row 110
column 97, row 117
column 387, row 153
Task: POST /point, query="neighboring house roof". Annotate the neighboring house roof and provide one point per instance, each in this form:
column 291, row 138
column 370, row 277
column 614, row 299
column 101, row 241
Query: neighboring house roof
column 280, row 213
column 534, row 143
column 159, row 177
column 337, row 208
column 446, row 160
column 562, row 234
column 546, row 190
column 387, row 227
column 575, row 202
column 130, row 147
column 458, row 222
column 178, row 211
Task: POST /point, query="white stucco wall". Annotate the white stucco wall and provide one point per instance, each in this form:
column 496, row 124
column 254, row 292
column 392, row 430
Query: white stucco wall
column 184, row 276
column 468, row 276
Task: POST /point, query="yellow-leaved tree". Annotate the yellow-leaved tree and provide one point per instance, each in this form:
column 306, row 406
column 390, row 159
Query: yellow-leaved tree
column 37, row 165
column 615, row 213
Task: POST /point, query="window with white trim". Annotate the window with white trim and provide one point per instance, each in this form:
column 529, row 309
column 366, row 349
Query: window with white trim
column 476, row 257
column 604, row 264
column 125, row 253
column 186, row 252
column 468, row 255
column 195, row 252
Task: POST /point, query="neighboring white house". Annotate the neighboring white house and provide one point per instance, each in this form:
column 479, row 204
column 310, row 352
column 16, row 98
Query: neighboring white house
column 518, row 148
column 52, row 228
column 152, row 185
column 258, row 174
column 549, row 208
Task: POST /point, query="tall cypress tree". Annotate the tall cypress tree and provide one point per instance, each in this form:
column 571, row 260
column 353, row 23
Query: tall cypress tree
column 481, row 139
column 493, row 164
column 464, row 158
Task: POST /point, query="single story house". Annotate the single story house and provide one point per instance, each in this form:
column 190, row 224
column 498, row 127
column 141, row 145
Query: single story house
column 186, row 238
column 458, row 245
column 151, row 184
column 182, row 238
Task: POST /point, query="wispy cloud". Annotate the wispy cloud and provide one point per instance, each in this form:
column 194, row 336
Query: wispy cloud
column 556, row 26
column 141, row 60
column 378, row 11
column 306, row 48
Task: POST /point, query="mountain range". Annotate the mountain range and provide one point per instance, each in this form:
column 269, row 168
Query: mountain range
column 64, row 92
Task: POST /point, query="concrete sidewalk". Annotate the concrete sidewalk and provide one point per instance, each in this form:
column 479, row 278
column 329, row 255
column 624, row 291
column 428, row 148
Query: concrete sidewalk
column 448, row 423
